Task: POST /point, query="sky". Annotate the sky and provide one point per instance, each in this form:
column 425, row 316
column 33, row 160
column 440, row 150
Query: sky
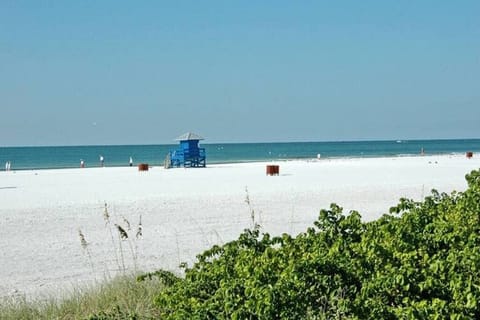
column 143, row 72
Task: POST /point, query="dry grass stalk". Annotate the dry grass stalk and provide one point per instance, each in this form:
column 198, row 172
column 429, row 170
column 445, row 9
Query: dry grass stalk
column 84, row 244
column 127, row 223
column 106, row 215
column 139, row 229
column 83, row 241
column 252, row 211
column 123, row 234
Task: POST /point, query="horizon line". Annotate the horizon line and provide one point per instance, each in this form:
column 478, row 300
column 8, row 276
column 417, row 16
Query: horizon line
column 258, row 142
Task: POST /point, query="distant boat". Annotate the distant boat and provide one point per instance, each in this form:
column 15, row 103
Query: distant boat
column 399, row 141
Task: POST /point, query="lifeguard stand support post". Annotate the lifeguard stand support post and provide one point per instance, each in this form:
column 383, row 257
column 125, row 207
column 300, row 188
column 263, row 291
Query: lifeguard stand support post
column 189, row 154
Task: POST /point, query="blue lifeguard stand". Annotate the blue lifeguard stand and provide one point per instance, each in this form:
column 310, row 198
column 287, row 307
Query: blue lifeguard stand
column 188, row 154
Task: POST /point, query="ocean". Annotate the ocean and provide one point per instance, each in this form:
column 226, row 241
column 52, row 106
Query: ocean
column 56, row 157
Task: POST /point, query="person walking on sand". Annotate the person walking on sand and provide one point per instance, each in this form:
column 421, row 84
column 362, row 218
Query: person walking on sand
column 131, row 162
column 101, row 161
column 82, row 163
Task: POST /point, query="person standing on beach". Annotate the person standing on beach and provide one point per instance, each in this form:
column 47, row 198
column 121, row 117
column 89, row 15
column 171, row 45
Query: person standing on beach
column 82, row 163
column 131, row 162
column 7, row 165
column 101, row 161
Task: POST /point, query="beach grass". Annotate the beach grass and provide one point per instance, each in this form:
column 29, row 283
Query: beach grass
column 121, row 298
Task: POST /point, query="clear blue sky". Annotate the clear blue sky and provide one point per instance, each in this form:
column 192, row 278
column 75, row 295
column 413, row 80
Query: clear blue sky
column 107, row 72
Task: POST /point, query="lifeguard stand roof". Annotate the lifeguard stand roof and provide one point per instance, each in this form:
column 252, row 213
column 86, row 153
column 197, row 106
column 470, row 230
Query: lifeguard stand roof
column 189, row 136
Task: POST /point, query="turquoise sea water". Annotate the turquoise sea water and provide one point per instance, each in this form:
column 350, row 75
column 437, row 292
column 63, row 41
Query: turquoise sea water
column 69, row 157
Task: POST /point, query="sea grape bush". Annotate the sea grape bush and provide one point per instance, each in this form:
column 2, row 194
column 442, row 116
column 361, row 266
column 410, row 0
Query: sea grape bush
column 420, row 261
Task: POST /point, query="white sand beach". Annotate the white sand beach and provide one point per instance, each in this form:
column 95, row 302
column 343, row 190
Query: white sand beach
column 185, row 211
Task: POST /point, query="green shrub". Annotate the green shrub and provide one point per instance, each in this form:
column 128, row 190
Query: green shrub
column 420, row 261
